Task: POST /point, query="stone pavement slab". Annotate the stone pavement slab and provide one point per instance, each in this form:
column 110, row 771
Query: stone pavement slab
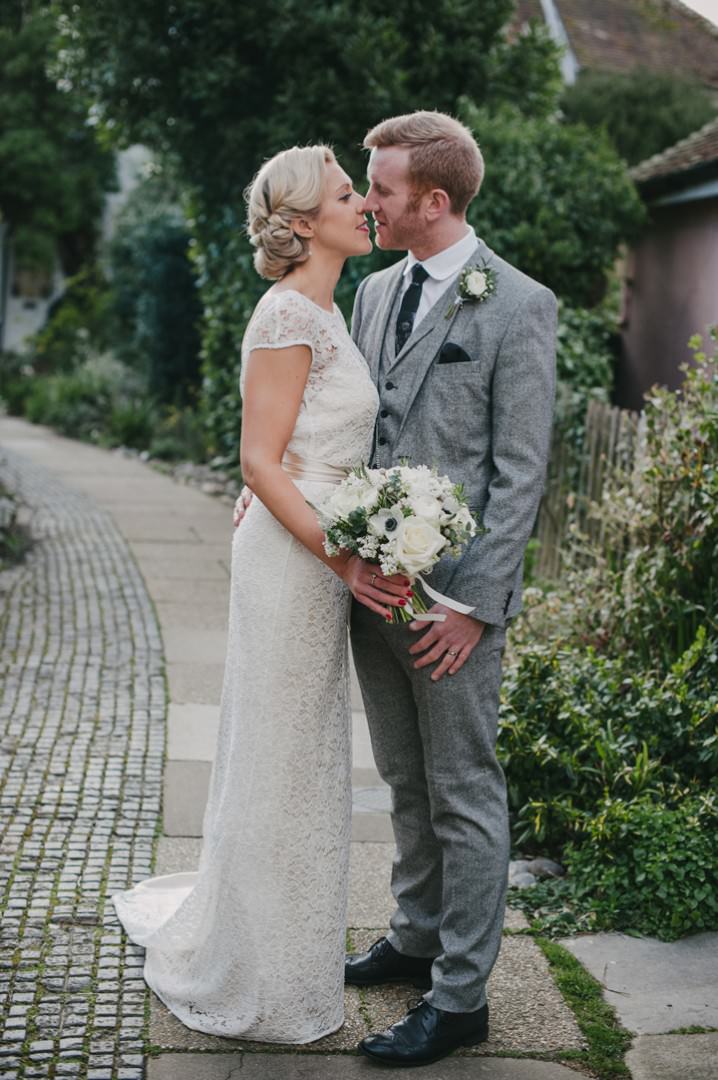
column 295, row 1067
column 192, row 732
column 654, row 986
column 528, row 1014
column 668, row 1057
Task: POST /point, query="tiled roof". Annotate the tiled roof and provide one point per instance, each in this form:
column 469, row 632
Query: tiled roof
column 621, row 35
column 688, row 155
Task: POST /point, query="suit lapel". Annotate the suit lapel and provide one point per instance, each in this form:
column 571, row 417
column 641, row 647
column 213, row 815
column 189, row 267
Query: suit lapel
column 432, row 332
column 381, row 320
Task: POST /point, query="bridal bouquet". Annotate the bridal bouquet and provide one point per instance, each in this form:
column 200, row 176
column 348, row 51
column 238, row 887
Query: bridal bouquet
column 402, row 518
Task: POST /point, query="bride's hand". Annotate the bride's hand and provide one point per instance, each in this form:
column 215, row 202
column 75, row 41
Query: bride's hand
column 241, row 506
column 370, row 587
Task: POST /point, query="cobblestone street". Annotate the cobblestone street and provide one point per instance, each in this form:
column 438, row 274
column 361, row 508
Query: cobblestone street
column 82, row 719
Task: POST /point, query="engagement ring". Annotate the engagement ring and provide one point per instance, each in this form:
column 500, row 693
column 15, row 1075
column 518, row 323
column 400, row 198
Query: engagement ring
column 373, row 579
column 453, row 652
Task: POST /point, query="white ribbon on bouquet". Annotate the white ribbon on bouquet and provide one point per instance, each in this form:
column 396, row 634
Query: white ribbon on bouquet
column 439, row 598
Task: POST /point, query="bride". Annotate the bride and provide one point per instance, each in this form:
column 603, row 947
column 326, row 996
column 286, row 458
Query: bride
column 252, row 944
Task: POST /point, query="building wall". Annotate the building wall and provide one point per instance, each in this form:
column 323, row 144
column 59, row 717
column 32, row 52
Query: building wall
column 671, row 293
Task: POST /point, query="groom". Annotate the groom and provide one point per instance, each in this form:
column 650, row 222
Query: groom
column 468, row 388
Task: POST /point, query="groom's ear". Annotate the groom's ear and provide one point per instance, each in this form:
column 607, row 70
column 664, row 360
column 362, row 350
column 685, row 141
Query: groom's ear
column 436, row 204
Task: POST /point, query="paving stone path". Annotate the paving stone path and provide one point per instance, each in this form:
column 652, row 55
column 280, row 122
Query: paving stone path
column 82, row 721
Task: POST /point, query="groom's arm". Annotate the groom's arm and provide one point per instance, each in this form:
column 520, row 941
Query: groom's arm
column 522, row 398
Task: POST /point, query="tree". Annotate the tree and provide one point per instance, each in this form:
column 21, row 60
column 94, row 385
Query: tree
column 155, row 300
column 221, row 86
column 53, row 173
column 556, row 199
column 643, row 113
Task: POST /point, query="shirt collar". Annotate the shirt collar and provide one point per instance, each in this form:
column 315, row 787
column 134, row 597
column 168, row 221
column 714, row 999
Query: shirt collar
column 448, row 262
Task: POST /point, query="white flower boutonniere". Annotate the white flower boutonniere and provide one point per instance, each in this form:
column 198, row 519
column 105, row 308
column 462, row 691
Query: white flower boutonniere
column 476, row 284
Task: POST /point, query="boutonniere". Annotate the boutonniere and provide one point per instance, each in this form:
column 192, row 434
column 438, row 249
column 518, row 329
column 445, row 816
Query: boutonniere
column 476, row 284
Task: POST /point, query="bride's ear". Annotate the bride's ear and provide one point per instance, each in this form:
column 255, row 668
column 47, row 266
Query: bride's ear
column 303, row 227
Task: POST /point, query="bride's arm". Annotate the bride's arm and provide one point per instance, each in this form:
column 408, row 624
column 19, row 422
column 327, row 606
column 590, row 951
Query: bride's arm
column 273, row 388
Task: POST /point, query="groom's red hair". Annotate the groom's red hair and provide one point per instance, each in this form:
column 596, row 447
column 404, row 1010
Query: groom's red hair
column 442, row 154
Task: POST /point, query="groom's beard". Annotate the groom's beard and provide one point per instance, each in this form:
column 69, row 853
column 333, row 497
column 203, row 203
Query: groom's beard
column 401, row 234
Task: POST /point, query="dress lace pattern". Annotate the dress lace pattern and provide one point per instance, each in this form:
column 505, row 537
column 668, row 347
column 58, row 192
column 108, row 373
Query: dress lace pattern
column 251, row 944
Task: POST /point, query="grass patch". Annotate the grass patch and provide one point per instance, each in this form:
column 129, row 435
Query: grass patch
column 608, row 1042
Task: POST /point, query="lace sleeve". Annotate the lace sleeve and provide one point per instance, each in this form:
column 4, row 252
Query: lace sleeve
column 279, row 322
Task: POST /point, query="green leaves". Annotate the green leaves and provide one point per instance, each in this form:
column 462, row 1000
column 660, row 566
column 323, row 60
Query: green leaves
column 611, row 749
column 53, row 174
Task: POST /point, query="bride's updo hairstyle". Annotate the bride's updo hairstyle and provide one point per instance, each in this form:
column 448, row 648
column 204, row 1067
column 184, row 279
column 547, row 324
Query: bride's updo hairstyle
column 288, row 186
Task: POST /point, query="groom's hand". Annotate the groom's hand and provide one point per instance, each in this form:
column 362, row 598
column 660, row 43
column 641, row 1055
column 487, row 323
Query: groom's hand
column 451, row 643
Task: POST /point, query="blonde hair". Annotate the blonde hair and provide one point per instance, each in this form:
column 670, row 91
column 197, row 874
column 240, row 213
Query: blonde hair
column 287, row 186
column 442, row 154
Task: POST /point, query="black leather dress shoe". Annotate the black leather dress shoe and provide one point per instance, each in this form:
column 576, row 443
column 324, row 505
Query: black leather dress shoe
column 383, row 964
column 426, row 1034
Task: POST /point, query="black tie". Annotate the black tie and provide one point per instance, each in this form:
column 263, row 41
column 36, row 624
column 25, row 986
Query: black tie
column 409, row 306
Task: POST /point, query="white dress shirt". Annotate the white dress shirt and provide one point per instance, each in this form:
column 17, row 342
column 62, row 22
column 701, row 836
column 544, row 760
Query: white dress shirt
column 442, row 269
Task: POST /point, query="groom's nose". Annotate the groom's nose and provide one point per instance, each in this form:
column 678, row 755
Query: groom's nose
column 371, row 203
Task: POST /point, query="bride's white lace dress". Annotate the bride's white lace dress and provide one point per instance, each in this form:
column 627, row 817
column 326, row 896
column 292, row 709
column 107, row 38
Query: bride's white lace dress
column 252, row 944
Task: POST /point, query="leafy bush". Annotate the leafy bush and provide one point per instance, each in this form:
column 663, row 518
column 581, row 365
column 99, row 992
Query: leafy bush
column 578, row 727
column 102, row 398
column 642, row 112
column 77, row 325
column 609, row 728
column 179, row 436
column 649, row 867
column 556, row 200
column 155, row 301
column 585, row 357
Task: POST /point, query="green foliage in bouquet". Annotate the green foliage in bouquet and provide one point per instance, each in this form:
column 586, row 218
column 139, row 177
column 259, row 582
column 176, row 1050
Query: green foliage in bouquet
column 609, row 729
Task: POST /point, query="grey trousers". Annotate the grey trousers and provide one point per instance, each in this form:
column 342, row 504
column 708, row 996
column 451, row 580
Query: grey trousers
column 435, row 745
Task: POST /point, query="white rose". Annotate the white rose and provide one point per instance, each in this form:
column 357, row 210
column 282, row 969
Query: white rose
column 349, row 496
column 417, row 545
column 426, row 507
column 475, row 283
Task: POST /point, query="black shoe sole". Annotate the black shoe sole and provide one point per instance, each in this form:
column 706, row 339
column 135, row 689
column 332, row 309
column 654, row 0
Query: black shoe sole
column 407, row 980
column 472, row 1040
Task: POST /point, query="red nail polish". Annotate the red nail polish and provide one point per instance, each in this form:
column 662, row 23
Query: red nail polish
column 402, row 603
column 409, row 593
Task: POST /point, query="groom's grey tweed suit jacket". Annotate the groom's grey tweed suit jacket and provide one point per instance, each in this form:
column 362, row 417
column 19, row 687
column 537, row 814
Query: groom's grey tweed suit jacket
column 484, row 419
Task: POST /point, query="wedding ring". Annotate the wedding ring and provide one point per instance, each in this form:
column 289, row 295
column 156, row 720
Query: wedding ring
column 373, row 579
column 453, row 652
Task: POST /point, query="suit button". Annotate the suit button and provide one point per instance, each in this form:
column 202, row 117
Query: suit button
column 382, row 441
column 384, row 413
column 390, row 385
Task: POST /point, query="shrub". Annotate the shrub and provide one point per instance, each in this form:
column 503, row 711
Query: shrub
column 155, row 302
column 649, row 867
column 642, row 112
column 609, row 725
column 77, row 325
column 86, row 403
column 556, row 201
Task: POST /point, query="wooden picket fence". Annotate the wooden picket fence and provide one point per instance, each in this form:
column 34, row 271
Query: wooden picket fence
column 612, row 438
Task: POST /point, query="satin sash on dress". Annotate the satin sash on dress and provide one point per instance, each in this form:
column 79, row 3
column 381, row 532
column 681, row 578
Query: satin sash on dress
column 301, row 468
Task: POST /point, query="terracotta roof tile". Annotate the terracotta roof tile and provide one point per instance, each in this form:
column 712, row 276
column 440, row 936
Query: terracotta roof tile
column 700, row 148
column 621, row 35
